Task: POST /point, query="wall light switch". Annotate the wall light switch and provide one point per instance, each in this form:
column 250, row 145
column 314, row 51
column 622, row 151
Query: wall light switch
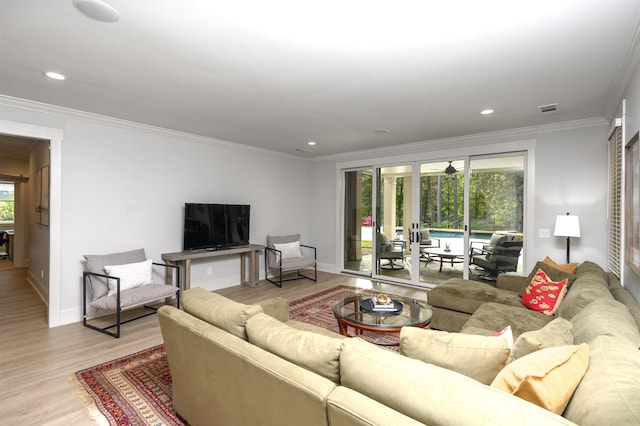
column 209, row 270
column 544, row 233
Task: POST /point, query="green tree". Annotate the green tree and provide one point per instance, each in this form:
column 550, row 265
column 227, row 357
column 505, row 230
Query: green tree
column 6, row 211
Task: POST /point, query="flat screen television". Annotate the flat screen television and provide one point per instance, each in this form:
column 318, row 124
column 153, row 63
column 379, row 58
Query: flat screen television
column 215, row 226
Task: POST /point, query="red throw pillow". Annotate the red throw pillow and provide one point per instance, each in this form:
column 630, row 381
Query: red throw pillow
column 544, row 295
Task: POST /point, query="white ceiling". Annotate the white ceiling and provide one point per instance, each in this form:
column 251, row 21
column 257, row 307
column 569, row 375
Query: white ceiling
column 277, row 74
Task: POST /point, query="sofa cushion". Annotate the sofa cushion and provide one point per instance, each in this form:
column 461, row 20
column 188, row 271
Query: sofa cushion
column 305, row 326
column 495, row 317
column 558, row 332
column 467, row 296
column 553, row 273
column 588, row 287
column 624, row 297
column 610, row 389
column 479, row 357
column 135, row 296
column 588, row 267
column 605, row 317
column 96, row 262
column 547, row 377
column 315, row 352
column 346, row 407
column 430, row 394
column 216, row 309
column 543, row 294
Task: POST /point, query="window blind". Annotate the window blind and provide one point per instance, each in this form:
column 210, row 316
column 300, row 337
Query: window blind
column 615, row 201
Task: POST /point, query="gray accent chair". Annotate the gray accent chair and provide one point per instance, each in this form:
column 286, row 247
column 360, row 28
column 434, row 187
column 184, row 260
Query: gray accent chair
column 96, row 288
column 392, row 251
column 281, row 266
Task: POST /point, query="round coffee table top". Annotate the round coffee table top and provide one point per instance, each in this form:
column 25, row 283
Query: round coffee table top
column 349, row 311
column 437, row 251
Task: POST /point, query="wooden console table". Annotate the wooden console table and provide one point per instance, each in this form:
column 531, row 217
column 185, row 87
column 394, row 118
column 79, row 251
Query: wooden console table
column 183, row 260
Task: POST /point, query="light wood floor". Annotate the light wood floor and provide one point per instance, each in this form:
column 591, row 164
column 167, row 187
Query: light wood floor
column 36, row 361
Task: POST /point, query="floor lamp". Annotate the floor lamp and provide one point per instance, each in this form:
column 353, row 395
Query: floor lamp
column 567, row 226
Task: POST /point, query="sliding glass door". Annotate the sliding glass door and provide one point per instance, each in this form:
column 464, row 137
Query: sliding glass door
column 424, row 222
column 393, row 220
column 441, row 229
column 358, row 221
column 496, row 215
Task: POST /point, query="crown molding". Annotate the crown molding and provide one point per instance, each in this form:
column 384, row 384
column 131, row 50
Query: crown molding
column 521, row 133
column 64, row 112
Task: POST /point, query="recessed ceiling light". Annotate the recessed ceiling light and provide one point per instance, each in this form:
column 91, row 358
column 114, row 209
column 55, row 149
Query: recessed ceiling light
column 311, row 143
column 96, row 9
column 54, row 75
column 486, row 111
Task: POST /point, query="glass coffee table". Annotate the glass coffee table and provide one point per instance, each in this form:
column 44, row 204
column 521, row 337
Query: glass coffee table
column 356, row 312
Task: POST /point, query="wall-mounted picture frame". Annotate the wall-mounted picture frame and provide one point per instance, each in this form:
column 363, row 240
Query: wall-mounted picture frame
column 632, row 203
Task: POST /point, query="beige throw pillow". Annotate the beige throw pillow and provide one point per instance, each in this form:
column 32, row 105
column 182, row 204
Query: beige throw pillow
column 547, row 377
column 478, row 357
column 216, row 309
column 569, row 268
column 315, row 352
column 558, row 332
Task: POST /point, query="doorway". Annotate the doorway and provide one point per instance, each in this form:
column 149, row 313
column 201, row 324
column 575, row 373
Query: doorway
column 52, row 260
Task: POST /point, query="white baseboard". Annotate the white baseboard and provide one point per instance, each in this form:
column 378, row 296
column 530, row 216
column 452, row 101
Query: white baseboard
column 39, row 287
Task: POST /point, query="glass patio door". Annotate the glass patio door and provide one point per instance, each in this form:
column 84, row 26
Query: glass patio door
column 496, row 213
column 358, row 222
column 442, row 239
column 393, row 219
column 422, row 223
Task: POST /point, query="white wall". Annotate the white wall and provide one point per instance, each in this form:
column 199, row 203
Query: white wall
column 37, row 234
column 571, row 176
column 124, row 186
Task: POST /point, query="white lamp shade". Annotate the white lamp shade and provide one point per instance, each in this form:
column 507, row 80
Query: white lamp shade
column 567, row 226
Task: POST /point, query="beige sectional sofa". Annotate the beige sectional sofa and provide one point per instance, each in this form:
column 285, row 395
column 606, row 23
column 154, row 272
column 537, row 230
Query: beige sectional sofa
column 235, row 364
column 599, row 312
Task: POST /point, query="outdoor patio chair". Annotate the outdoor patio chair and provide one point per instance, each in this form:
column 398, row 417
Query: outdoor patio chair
column 284, row 255
column 503, row 257
column 394, row 250
column 426, row 242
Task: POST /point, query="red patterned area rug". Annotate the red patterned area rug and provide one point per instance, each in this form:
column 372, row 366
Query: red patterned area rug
column 133, row 390
column 317, row 309
column 136, row 389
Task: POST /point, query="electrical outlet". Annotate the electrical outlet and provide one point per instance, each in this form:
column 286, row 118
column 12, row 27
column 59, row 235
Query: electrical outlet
column 209, row 270
column 544, row 233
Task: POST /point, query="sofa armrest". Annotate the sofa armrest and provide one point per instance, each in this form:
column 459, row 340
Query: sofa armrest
column 276, row 307
column 510, row 282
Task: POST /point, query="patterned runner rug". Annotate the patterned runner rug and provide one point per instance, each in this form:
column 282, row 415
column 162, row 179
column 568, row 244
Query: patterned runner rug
column 136, row 389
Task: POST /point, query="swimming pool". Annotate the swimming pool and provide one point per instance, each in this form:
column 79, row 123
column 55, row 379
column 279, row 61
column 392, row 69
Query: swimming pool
column 456, row 233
